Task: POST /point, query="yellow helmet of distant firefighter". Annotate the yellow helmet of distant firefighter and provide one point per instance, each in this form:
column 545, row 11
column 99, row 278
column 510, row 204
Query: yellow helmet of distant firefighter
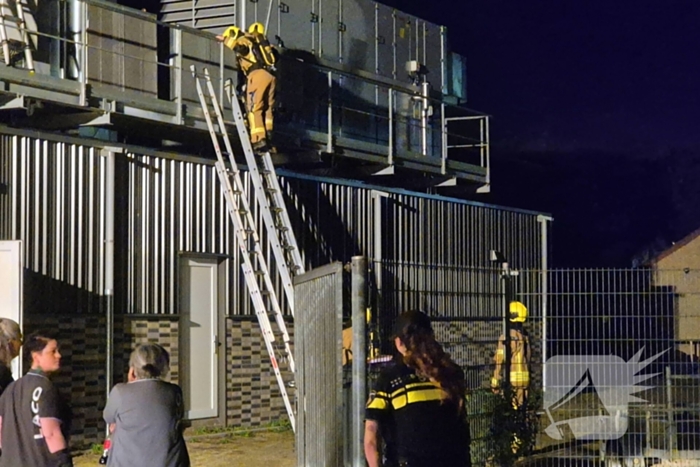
column 518, row 312
column 232, row 32
column 256, row 28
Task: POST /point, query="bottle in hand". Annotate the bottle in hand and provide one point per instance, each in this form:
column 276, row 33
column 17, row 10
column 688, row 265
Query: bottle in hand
column 105, row 451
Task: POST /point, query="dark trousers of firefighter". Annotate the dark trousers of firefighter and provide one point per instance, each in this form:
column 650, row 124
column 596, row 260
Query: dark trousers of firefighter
column 260, row 100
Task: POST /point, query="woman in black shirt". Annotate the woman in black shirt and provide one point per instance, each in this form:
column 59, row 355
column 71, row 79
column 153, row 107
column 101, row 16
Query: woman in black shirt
column 33, row 419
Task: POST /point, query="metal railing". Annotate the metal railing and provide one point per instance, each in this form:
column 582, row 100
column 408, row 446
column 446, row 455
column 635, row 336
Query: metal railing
column 126, row 60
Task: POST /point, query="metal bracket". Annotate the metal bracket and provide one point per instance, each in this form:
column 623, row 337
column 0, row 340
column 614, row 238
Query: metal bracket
column 314, row 17
column 284, row 8
column 342, row 27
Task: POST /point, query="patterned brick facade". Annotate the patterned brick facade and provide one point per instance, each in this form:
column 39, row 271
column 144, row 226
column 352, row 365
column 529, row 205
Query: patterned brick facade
column 252, row 396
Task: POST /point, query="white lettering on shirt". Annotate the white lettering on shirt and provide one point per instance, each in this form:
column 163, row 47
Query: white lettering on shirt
column 36, row 395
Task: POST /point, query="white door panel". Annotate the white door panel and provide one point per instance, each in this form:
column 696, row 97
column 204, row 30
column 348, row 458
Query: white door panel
column 198, row 340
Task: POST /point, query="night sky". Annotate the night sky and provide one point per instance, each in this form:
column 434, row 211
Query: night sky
column 595, row 115
column 595, row 111
column 579, row 74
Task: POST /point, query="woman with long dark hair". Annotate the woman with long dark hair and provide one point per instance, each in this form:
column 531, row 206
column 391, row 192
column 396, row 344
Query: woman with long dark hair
column 418, row 403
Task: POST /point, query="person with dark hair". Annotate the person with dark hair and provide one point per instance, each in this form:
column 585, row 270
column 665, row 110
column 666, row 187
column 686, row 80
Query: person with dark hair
column 420, row 400
column 10, row 343
column 34, row 422
column 145, row 414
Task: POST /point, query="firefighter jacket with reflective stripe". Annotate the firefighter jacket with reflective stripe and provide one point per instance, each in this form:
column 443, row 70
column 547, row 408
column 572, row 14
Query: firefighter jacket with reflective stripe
column 520, row 355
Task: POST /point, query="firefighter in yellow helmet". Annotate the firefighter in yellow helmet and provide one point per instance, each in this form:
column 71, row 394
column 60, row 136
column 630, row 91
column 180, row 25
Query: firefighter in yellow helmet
column 260, row 84
column 256, row 28
column 519, row 354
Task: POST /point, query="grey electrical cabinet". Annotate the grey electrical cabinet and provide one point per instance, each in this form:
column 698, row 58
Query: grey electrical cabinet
column 362, row 35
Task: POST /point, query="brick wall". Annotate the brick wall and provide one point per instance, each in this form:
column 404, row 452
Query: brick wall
column 252, row 395
column 253, row 398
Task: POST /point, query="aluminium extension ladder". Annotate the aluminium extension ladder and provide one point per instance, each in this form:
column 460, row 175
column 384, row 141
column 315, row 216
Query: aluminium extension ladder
column 17, row 35
column 254, row 265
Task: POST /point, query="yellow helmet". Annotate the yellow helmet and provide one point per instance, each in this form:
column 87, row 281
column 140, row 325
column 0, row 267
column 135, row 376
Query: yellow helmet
column 233, row 32
column 518, row 312
column 256, row 28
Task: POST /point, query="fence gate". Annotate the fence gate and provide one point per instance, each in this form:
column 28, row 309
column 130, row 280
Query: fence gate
column 318, row 297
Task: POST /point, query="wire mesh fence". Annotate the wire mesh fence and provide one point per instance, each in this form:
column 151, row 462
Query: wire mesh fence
column 614, row 357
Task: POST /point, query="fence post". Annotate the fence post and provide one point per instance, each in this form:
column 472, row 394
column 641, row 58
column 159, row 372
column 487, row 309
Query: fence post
column 545, row 290
column 671, row 430
column 359, row 358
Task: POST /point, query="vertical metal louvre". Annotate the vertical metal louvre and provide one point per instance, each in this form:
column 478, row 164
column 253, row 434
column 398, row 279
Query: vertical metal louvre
column 52, row 197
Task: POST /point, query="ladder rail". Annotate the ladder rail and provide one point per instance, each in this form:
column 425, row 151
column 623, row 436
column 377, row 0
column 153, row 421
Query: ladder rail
column 22, row 24
column 275, row 200
column 17, row 18
column 279, row 317
column 243, row 236
column 4, row 39
column 288, row 233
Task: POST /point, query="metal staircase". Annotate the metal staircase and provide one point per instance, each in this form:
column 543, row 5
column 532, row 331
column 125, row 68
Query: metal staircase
column 275, row 217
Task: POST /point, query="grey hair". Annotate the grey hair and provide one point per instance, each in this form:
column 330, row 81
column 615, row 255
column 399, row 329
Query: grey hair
column 9, row 331
column 149, row 361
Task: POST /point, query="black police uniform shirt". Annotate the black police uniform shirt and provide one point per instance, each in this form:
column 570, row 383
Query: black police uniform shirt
column 426, row 429
column 22, row 404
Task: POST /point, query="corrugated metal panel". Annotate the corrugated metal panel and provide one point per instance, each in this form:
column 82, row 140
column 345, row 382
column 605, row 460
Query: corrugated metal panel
column 54, row 200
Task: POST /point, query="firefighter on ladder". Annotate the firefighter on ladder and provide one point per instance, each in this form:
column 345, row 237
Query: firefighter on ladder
column 256, row 61
column 520, row 357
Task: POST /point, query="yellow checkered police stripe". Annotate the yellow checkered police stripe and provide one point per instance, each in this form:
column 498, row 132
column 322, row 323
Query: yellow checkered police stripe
column 379, row 402
column 416, row 392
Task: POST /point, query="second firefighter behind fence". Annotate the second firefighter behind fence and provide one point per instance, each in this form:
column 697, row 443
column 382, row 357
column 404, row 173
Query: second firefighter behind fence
column 255, row 63
column 519, row 374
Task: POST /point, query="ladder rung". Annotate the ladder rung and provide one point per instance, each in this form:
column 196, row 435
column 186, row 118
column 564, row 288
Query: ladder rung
column 282, row 228
column 270, row 190
column 288, row 247
column 276, row 209
column 243, row 211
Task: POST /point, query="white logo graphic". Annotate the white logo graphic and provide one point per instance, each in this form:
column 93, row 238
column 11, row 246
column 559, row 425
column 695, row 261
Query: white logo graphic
column 590, row 395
